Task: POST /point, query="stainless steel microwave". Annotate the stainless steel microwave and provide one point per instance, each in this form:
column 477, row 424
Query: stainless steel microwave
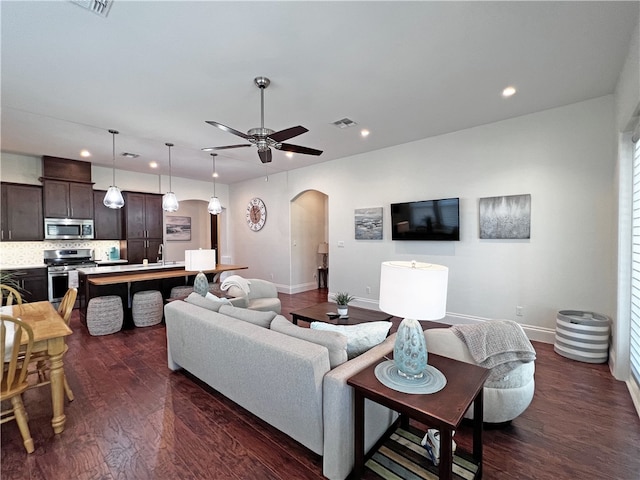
column 68, row 229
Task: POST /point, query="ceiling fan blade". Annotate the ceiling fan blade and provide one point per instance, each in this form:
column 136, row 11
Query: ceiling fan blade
column 227, row 129
column 224, row 147
column 287, row 147
column 265, row 155
column 288, row 133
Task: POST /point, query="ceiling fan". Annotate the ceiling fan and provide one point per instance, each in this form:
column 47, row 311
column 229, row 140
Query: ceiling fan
column 265, row 138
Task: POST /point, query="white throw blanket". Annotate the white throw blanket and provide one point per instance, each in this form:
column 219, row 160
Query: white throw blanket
column 236, row 281
column 499, row 345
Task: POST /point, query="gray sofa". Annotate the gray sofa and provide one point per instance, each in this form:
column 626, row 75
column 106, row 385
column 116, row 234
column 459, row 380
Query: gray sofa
column 286, row 381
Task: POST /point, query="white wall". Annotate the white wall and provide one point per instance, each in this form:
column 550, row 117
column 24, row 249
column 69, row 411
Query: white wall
column 627, row 103
column 564, row 158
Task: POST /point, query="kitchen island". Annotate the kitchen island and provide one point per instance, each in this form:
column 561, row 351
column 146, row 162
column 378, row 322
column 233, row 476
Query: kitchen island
column 125, row 280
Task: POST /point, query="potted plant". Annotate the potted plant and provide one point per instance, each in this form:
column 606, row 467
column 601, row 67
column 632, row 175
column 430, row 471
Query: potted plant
column 342, row 300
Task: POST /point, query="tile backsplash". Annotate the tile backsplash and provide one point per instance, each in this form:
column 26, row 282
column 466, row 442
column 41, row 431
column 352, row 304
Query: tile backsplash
column 30, row 253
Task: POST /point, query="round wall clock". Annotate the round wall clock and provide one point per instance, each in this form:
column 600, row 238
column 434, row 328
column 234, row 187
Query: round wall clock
column 256, row 214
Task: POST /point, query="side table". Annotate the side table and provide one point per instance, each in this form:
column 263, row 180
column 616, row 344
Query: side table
column 443, row 410
column 323, row 275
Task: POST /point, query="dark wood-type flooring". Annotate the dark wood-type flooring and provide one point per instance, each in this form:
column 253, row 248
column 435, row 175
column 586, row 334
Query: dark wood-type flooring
column 133, row 418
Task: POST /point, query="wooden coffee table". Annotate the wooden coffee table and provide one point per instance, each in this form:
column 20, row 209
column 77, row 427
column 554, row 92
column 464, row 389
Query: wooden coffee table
column 443, row 410
column 318, row 313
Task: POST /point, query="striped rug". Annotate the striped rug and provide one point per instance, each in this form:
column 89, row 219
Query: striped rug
column 402, row 457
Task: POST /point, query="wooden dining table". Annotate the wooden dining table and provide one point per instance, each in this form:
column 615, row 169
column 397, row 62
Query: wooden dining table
column 49, row 332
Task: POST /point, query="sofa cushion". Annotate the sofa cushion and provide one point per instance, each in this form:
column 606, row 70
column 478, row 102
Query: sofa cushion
column 262, row 319
column 210, row 302
column 335, row 342
column 360, row 337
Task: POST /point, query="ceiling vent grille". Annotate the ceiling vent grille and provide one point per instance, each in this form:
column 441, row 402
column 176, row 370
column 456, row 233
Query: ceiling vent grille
column 99, row 7
column 344, row 123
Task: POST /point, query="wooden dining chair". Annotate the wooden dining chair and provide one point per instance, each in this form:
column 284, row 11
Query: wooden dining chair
column 9, row 295
column 41, row 359
column 13, row 376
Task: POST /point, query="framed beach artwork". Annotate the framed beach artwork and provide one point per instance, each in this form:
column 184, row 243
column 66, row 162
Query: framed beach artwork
column 368, row 223
column 507, row 217
column 178, row 229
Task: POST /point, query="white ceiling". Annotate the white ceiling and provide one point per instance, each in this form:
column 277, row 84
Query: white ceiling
column 156, row 71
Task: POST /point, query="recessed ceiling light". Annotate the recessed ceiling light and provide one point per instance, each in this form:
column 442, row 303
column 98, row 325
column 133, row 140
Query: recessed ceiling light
column 364, row 132
column 508, row 92
column 153, row 164
column 215, row 175
column 85, row 153
column 289, row 154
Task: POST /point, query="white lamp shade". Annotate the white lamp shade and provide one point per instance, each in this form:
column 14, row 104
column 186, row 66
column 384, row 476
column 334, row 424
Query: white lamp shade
column 199, row 260
column 113, row 198
column 323, row 248
column 169, row 202
column 414, row 290
column 214, row 207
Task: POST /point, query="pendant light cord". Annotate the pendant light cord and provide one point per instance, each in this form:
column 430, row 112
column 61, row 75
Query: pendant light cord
column 169, row 145
column 113, row 157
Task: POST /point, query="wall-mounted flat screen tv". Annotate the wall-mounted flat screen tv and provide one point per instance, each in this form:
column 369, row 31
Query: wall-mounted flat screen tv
column 426, row 220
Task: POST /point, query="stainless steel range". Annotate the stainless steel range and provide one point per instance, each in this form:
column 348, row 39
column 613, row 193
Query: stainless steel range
column 59, row 265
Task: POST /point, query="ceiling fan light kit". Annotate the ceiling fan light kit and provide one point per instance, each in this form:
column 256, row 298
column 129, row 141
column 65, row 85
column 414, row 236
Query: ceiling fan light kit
column 265, row 138
column 169, row 200
column 113, row 198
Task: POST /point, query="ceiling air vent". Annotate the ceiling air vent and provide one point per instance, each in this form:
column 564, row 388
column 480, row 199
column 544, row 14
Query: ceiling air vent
column 99, row 7
column 344, row 123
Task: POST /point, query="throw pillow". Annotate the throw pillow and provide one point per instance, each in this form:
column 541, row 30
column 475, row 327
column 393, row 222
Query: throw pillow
column 262, row 319
column 360, row 337
column 335, row 342
column 210, row 302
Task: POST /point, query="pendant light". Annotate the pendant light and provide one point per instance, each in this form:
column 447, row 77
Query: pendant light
column 214, row 207
column 169, row 200
column 113, row 197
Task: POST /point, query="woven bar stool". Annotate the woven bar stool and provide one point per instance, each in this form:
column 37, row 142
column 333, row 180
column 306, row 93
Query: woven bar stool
column 105, row 315
column 180, row 291
column 146, row 308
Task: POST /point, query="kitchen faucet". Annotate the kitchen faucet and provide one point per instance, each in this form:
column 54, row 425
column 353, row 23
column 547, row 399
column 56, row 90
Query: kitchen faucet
column 160, row 254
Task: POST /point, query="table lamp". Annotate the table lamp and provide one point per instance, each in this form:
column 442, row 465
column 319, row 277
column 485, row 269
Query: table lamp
column 199, row 260
column 415, row 291
column 323, row 249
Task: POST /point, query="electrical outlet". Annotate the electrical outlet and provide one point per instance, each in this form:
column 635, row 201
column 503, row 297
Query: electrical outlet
column 271, row 274
column 519, row 311
column 340, row 244
column 368, row 289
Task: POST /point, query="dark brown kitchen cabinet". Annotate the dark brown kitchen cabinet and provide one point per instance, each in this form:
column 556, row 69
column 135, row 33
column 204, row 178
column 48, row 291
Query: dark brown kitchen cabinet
column 137, row 250
column 142, row 226
column 21, row 213
column 32, row 283
column 107, row 222
column 64, row 199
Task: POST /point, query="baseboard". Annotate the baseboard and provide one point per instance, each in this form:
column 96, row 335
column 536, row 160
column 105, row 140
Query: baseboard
column 299, row 288
column 535, row 333
column 634, row 390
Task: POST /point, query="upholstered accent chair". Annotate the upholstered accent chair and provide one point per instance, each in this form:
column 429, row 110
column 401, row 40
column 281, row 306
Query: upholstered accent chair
column 506, row 395
column 263, row 296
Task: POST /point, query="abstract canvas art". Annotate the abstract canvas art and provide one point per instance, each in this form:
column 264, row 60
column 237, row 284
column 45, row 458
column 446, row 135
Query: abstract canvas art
column 368, row 223
column 178, row 229
column 507, row 217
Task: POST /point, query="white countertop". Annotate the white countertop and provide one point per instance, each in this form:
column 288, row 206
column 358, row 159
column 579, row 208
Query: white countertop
column 109, row 262
column 18, row 267
column 129, row 268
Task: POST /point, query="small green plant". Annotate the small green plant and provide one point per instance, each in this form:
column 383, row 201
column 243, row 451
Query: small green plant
column 343, row 298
